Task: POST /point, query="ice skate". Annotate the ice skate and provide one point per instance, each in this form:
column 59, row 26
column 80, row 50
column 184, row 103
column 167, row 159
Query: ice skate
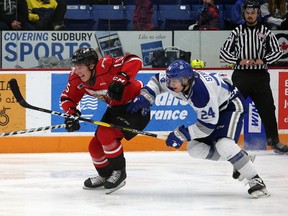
column 280, row 148
column 257, row 188
column 94, row 183
column 115, row 181
column 237, row 175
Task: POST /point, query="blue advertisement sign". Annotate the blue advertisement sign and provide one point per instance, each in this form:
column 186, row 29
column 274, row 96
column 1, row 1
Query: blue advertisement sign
column 28, row 49
column 90, row 107
column 167, row 112
column 254, row 132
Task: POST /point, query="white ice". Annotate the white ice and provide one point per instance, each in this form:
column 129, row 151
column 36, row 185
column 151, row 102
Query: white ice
column 158, row 183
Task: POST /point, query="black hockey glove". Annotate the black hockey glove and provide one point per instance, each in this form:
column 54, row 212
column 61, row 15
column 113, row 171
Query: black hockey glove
column 72, row 124
column 116, row 88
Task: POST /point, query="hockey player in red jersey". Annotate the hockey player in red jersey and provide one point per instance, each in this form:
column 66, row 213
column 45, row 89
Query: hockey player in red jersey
column 111, row 80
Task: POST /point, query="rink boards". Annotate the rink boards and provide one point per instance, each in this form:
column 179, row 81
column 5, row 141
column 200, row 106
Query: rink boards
column 42, row 88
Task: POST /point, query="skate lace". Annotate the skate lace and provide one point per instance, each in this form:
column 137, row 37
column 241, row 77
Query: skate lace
column 97, row 180
column 255, row 181
column 115, row 176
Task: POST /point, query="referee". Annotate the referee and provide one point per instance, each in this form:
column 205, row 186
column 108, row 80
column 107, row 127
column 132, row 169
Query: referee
column 251, row 47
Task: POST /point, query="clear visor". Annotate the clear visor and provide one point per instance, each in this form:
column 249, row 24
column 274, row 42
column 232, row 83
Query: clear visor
column 172, row 81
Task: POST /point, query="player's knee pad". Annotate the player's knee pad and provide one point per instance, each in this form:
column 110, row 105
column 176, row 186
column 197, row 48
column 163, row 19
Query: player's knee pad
column 201, row 150
column 95, row 148
column 110, row 141
column 227, row 148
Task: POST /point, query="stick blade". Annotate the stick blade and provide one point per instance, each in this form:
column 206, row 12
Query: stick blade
column 16, row 92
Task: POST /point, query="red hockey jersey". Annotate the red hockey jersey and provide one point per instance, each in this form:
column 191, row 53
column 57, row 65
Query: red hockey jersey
column 106, row 68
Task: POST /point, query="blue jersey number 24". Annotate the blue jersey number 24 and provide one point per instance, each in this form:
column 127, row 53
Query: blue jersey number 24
column 209, row 114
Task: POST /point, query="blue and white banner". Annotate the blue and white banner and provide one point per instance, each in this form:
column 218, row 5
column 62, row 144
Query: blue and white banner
column 22, row 49
column 167, row 113
column 50, row 49
column 254, row 132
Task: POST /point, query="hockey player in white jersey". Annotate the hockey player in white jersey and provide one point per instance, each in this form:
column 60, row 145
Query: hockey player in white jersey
column 220, row 110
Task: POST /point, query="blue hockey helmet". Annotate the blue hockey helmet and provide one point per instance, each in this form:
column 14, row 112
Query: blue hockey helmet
column 180, row 70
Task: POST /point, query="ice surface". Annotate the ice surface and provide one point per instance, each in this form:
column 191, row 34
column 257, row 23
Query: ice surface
column 158, row 183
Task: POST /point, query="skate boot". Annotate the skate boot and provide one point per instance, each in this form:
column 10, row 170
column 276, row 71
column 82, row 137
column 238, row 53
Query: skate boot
column 94, row 183
column 115, row 181
column 237, row 175
column 280, row 148
column 257, row 188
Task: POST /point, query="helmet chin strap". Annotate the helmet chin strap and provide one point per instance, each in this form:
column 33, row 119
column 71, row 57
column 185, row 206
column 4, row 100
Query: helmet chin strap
column 186, row 87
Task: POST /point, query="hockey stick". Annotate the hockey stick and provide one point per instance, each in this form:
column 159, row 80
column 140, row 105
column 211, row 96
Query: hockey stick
column 31, row 130
column 17, row 94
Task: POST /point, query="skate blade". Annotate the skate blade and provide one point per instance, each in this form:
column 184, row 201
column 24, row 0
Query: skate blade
column 279, row 152
column 111, row 190
column 252, row 159
column 260, row 193
column 95, row 188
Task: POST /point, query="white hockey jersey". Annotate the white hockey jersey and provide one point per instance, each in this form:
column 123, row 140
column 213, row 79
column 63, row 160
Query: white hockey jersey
column 208, row 96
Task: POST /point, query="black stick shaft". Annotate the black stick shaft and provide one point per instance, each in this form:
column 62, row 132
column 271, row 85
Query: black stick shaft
column 17, row 94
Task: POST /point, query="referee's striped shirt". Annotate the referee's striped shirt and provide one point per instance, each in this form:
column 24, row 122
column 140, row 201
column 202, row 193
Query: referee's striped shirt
column 256, row 42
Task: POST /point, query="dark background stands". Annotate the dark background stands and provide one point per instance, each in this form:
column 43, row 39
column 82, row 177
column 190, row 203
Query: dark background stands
column 14, row 15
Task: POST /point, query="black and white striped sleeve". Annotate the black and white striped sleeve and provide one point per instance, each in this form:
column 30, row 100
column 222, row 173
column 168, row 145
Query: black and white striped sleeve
column 274, row 52
column 228, row 50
